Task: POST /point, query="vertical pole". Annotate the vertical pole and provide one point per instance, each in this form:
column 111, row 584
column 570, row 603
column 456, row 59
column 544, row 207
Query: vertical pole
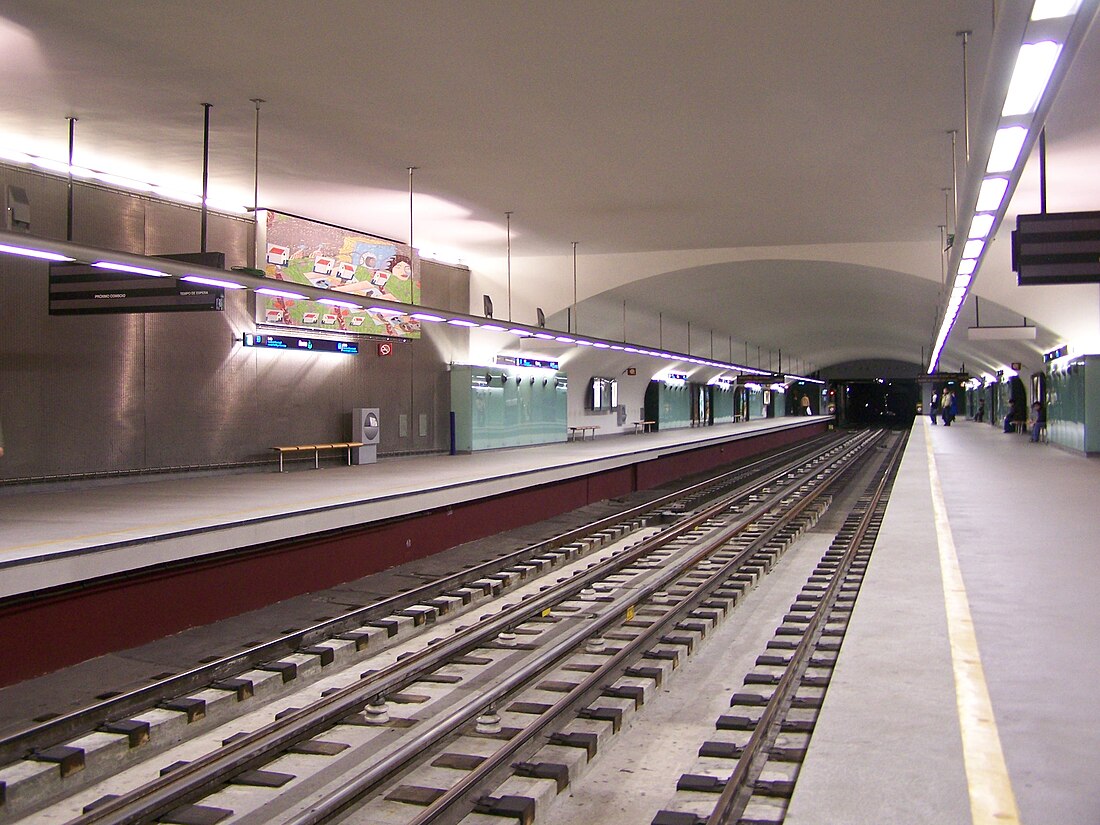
column 954, row 180
column 508, row 218
column 205, row 171
column 965, row 35
column 575, row 324
column 412, row 366
column 943, row 258
column 69, row 213
column 1042, row 171
column 411, row 170
column 256, row 169
column 949, row 240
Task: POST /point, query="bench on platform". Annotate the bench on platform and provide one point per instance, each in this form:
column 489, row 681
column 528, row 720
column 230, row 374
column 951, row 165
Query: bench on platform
column 583, row 430
column 316, row 448
column 643, row 426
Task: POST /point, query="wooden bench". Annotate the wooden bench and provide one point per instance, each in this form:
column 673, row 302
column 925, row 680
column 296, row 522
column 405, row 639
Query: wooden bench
column 300, row 448
column 583, row 430
column 643, row 426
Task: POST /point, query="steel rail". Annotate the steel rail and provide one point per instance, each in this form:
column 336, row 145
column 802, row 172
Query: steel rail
column 738, row 789
column 369, row 779
column 199, row 777
column 26, row 741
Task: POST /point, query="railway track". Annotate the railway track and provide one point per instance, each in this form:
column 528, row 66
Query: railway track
column 747, row 772
column 466, row 686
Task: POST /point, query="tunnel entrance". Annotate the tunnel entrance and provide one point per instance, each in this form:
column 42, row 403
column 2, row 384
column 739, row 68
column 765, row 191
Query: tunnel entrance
column 875, row 402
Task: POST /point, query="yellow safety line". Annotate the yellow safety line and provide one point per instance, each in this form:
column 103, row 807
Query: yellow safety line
column 992, row 801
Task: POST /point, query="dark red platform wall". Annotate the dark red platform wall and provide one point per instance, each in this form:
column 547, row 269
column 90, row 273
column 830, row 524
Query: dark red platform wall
column 54, row 630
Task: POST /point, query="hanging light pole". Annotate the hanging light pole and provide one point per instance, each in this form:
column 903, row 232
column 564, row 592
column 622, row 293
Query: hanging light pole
column 205, row 171
column 965, row 35
column 411, row 170
column 69, row 212
column 508, row 219
column 575, row 325
column 256, row 169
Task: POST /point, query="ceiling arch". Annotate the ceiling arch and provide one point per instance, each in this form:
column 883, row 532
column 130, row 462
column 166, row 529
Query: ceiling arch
column 749, row 311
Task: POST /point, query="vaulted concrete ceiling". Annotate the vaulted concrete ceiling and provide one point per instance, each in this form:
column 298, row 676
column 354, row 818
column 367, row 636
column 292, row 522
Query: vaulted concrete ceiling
column 634, row 128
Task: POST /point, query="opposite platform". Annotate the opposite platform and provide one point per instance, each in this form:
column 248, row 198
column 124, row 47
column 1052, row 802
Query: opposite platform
column 1007, row 529
column 54, row 538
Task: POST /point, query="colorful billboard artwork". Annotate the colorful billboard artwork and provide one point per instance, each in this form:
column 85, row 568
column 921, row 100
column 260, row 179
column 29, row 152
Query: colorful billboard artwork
column 299, row 251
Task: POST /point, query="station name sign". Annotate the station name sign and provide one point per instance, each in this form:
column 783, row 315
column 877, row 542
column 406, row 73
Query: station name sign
column 515, row 361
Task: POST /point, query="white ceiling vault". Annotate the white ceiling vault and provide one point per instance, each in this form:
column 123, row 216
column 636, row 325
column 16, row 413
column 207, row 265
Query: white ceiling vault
column 771, row 173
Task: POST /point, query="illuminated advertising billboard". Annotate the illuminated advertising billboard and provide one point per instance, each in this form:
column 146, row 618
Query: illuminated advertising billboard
column 292, row 250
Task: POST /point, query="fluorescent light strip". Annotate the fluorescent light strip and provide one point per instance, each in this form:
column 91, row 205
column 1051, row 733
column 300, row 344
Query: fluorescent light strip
column 279, row 293
column 973, row 248
column 1034, row 66
column 346, row 304
column 198, row 279
column 382, row 310
column 461, row 322
column 133, row 270
column 1006, row 149
column 967, row 266
column 28, row 252
column 990, row 194
column 427, row 316
column 980, row 226
column 1051, row 9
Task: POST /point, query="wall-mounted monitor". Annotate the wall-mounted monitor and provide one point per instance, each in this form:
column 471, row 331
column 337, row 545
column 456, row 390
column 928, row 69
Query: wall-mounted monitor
column 602, row 395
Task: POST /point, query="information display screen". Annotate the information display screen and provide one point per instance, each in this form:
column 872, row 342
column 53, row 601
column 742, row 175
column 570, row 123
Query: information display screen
column 296, row 342
column 82, row 289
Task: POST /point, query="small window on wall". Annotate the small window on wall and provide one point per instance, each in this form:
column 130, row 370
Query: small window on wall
column 603, row 395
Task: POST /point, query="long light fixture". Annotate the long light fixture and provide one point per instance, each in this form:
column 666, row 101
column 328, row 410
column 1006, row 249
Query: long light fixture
column 14, row 243
column 1051, row 36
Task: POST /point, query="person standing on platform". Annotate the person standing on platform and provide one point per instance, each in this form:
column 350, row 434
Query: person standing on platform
column 981, row 411
column 1038, row 422
column 806, row 405
column 934, row 407
column 946, row 401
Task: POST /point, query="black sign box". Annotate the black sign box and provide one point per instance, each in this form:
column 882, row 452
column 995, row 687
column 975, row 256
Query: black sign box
column 1057, row 248
column 81, row 289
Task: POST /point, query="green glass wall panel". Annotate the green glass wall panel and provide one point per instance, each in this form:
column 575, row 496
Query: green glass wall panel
column 507, row 407
column 675, row 406
column 723, row 405
column 756, row 403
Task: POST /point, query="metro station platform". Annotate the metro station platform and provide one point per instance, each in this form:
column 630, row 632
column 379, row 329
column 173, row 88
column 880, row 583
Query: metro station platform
column 92, row 568
column 976, row 634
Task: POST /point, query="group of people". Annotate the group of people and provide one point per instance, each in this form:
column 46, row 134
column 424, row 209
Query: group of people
column 945, row 407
